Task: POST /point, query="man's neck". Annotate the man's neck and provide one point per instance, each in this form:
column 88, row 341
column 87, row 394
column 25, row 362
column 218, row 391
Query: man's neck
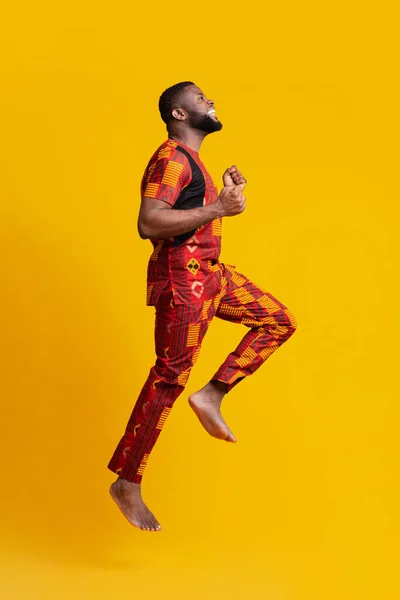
column 191, row 139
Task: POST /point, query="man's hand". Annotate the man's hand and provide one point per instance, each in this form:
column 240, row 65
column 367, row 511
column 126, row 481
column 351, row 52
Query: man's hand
column 231, row 200
column 233, row 176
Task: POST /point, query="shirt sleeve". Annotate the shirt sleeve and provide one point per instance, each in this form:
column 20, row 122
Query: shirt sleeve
column 165, row 178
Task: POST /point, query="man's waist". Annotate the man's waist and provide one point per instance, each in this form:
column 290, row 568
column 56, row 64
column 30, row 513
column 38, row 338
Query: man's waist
column 193, row 264
column 187, row 284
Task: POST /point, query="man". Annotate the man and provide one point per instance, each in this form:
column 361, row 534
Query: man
column 181, row 213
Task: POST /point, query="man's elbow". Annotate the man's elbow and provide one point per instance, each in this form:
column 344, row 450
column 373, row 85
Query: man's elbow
column 149, row 229
column 144, row 231
column 142, row 234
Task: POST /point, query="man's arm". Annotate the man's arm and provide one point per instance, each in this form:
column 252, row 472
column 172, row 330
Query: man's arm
column 158, row 221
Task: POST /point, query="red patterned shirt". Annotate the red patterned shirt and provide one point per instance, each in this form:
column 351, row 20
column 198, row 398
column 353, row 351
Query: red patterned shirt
column 176, row 175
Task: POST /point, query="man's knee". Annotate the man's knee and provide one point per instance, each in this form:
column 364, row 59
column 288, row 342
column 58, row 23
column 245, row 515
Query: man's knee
column 284, row 327
column 292, row 321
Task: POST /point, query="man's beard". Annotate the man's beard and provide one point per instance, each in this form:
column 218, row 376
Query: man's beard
column 204, row 122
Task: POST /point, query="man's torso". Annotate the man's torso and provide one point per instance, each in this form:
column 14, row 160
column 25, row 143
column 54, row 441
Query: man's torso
column 189, row 262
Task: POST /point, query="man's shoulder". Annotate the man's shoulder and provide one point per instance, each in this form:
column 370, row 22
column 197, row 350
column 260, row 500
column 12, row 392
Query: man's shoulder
column 167, row 166
column 169, row 150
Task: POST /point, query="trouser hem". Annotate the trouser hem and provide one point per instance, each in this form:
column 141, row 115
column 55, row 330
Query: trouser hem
column 132, row 478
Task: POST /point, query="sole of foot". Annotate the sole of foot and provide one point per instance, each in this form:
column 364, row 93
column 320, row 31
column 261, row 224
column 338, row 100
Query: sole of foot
column 210, row 417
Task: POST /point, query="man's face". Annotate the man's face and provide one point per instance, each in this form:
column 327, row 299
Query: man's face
column 200, row 110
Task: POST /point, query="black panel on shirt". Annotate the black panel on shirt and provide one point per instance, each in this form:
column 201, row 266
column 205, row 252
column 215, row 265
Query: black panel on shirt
column 192, row 196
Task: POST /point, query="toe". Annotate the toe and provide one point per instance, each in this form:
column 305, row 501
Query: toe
column 231, row 437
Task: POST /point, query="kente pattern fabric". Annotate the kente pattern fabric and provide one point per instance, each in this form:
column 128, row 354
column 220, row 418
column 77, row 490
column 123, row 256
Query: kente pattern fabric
column 179, row 332
column 176, row 175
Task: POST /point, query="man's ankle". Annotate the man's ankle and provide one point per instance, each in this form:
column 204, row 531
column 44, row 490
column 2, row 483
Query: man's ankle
column 222, row 386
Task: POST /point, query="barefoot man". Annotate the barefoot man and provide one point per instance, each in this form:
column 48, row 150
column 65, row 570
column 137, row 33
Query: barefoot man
column 181, row 213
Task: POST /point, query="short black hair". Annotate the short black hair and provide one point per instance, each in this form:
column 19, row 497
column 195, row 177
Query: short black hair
column 169, row 98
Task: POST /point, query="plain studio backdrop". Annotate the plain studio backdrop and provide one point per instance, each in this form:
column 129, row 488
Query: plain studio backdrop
column 306, row 505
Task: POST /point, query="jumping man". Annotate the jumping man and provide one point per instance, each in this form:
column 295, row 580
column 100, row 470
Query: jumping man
column 181, row 213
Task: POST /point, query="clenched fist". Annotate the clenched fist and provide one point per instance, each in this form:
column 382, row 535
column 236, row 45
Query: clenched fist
column 231, row 200
column 233, row 176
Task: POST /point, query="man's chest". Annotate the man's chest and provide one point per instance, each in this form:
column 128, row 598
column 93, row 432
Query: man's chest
column 201, row 190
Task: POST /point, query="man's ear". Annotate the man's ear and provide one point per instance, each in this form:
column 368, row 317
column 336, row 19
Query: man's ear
column 179, row 114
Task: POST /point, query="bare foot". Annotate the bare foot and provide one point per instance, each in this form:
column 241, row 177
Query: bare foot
column 206, row 404
column 128, row 497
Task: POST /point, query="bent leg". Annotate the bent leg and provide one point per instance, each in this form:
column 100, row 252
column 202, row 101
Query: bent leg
column 271, row 324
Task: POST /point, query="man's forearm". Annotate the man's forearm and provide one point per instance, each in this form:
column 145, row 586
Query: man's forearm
column 161, row 224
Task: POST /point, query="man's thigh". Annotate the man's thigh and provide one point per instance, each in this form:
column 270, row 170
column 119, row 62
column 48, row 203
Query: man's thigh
column 244, row 301
column 179, row 331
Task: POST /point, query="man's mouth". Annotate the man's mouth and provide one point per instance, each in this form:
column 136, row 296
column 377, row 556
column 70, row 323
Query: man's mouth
column 211, row 112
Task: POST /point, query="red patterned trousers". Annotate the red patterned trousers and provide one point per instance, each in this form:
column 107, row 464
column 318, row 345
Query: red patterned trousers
column 179, row 332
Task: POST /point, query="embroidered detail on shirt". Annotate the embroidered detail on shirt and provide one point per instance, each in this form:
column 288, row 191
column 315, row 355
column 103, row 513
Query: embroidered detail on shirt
column 193, row 266
column 197, row 288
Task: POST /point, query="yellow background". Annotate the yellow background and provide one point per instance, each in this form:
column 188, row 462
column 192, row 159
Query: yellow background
column 306, row 505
